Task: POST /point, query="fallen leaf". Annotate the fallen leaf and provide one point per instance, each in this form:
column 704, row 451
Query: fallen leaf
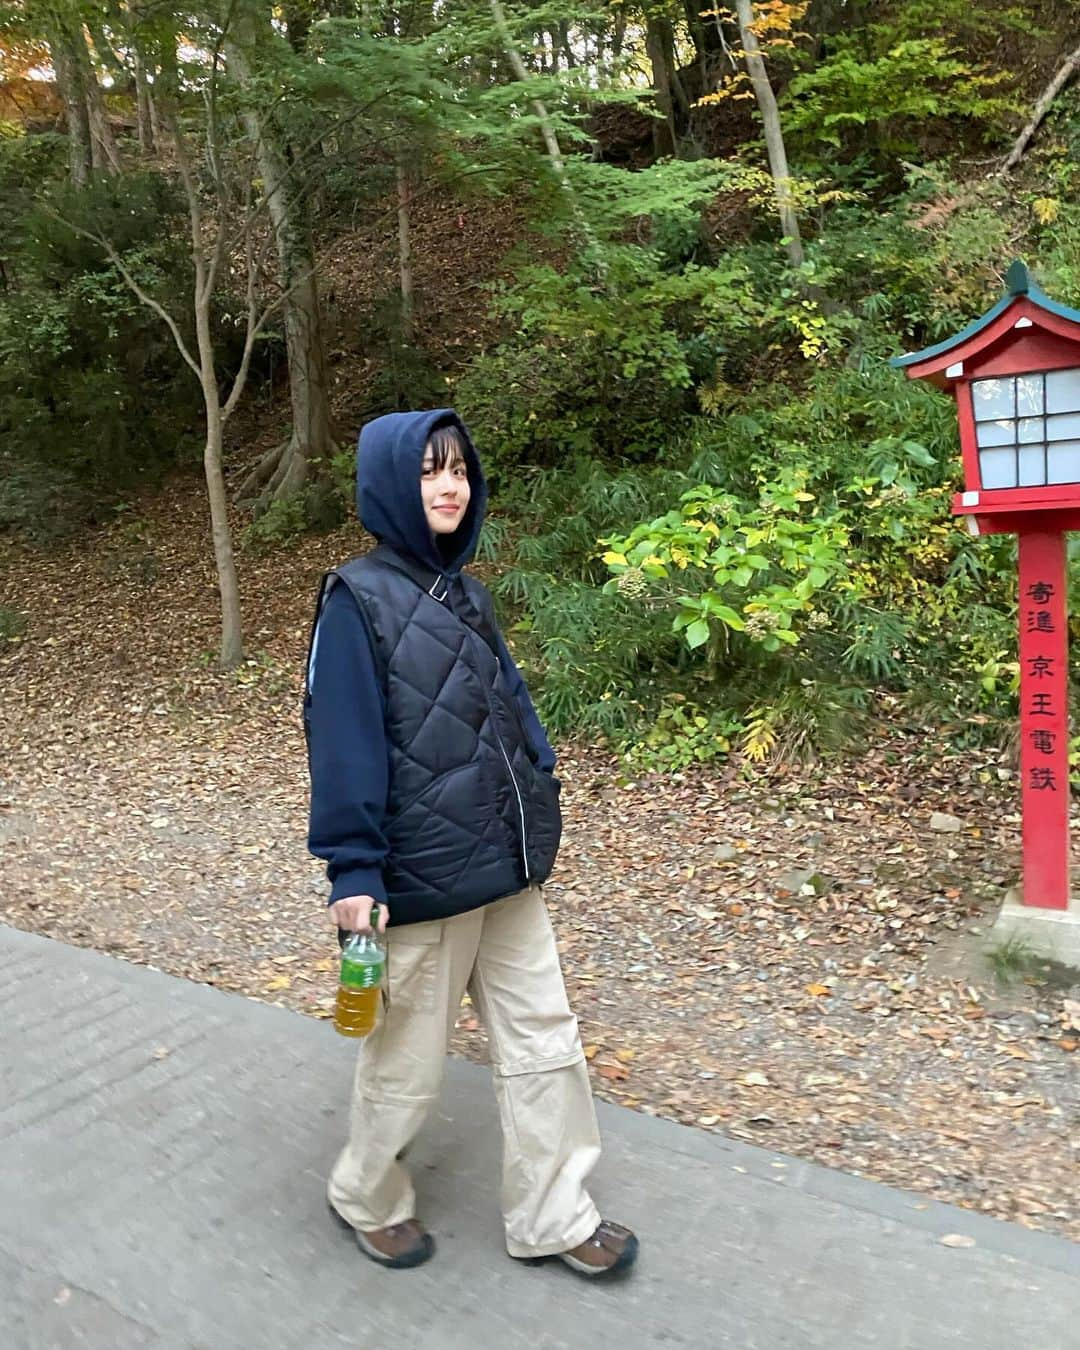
column 279, row 982
column 755, row 1078
column 1016, row 1051
column 591, row 1051
column 625, row 1055
column 617, row 1073
column 819, row 990
column 957, row 1240
column 1069, row 1044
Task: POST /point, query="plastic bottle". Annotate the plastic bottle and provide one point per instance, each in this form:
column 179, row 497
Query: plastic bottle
column 363, row 962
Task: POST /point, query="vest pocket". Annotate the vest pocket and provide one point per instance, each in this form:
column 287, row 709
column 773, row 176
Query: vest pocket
column 545, row 825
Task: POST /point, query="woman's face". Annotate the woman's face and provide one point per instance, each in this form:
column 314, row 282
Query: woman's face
column 445, row 492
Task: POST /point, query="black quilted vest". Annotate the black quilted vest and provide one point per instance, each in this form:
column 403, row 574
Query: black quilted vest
column 470, row 819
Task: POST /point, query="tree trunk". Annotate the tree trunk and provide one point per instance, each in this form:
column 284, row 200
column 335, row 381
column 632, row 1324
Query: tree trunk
column 142, row 107
column 105, row 156
column 658, row 49
column 774, row 135
column 297, row 24
column 103, row 152
column 69, row 79
column 618, row 35
column 408, row 303
column 547, row 128
column 232, row 641
column 155, row 121
column 566, row 46
column 285, row 470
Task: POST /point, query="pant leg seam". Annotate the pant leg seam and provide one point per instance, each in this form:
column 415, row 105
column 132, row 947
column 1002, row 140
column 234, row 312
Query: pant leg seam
column 549, row 1064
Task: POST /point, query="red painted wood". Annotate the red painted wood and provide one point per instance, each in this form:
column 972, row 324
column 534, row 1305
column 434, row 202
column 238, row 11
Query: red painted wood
column 969, row 448
column 1032, row 350
column 1014, row 501
column 1044, row 719
column 1047, row 332
column 1025, row 520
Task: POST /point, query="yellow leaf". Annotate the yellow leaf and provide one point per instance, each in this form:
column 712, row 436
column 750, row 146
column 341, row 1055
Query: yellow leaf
column 615, row 559
column 279, row 982
column 819, row 990
column 1046, row 210
column 591, row 1051
column 625, row 1055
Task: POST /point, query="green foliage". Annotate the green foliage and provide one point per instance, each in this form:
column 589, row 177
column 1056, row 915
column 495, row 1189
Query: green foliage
column 722, row 523
column 1012, row 960
column 92, row 397
column 894, row 94
column 784, row 552
column 285, row 518
column 729, row 570
column 683, row 734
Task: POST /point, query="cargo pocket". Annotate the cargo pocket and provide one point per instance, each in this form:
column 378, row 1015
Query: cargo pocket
column 411, row 1048
column 412, row 968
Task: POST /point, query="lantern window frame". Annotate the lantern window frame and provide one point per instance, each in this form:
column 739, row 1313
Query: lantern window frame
column 1027, row 442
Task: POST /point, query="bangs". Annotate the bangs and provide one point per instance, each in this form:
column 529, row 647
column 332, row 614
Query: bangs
column 447, row 445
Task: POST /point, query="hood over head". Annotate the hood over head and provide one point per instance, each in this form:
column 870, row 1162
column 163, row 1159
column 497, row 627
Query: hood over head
column 388, row 464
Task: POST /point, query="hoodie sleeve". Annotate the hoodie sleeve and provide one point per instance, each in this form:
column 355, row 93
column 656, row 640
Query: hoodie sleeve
column 347, row 752
column 536, row 733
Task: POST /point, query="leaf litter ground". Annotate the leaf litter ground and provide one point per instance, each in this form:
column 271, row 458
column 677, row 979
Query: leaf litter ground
column 792, row 961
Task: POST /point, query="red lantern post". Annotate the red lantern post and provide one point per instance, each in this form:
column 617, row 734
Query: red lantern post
column 1044, row 721
column 1015, row 374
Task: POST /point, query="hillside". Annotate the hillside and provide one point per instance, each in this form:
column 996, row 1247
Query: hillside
column 783, row 959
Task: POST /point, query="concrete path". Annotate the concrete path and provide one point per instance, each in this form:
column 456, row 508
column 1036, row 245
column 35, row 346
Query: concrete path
column 163, row 1153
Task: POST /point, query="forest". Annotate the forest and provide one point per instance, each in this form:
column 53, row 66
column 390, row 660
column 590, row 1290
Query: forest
column 658, row 257
column 661, row 258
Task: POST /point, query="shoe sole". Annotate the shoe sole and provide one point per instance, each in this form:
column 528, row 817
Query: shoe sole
column 408, row 1261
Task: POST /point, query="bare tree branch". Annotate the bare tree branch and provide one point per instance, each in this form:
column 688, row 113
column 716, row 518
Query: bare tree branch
column 143, row 297
column 1067, row 70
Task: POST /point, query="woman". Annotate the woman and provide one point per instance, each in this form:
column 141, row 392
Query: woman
column 433, row 796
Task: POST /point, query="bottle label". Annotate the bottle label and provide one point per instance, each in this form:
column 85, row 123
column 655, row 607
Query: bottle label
column 361, row 974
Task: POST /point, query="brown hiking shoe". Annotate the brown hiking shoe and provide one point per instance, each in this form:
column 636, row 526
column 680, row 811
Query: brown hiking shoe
column 398, row 1247
column 611, row 1250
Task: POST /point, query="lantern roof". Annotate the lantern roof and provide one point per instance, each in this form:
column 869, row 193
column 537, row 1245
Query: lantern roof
column 1019, row 288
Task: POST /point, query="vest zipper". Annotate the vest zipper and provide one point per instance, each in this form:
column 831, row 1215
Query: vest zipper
column 521, row 804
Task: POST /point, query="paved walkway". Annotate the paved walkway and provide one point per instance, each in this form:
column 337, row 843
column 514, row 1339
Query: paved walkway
column 163, row 1149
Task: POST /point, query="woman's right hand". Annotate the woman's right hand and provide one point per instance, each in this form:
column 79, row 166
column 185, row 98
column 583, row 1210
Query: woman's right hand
column 353, row 913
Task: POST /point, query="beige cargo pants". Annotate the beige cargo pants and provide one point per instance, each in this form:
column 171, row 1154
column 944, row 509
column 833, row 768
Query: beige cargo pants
column 505, row 956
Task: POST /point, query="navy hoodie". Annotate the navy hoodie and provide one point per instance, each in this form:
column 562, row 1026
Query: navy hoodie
column 347, row 746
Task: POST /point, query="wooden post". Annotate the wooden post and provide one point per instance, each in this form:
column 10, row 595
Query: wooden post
column 1044, row 719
